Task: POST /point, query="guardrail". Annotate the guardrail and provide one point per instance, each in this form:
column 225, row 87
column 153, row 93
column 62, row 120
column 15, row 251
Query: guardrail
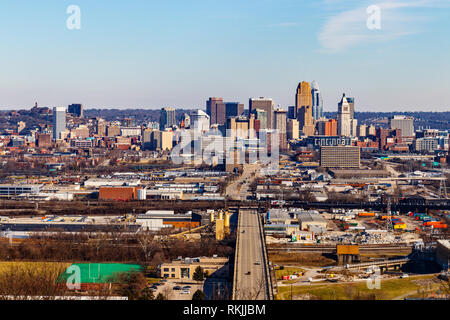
column 236, row 254
column 267, row 270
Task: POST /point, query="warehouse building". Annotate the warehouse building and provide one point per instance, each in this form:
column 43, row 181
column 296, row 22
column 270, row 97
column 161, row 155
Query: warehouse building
column 443, row 253
column 16, row 189
column 308, row 220
column 154, row 220
column 118, row 193
column 216, row 267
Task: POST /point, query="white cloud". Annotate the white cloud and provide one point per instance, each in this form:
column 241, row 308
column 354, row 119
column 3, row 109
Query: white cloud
column 349, row 28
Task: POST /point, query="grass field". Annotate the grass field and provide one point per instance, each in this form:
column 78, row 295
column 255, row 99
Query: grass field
column 389, row 290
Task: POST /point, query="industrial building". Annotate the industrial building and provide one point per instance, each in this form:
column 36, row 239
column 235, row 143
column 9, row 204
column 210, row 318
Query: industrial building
column 118, row 193
column 17, row 189
column 307, row 220
column 443, row 253
column 185, row 268
column 157, row 219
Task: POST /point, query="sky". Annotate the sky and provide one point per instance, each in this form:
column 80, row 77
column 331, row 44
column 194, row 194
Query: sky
column 177, row 53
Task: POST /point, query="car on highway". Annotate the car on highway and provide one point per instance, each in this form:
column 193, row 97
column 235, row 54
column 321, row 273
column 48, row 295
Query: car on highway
column 248, row 273
column 258, row 263
column 177, row 288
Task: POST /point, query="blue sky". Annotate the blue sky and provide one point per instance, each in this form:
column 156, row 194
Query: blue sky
column 151, row 54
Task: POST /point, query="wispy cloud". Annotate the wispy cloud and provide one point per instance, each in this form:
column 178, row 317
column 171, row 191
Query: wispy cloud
column 349, row 28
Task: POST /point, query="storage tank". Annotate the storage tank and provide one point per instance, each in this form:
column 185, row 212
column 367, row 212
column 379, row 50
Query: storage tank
column 227, row 220
column 142, row 194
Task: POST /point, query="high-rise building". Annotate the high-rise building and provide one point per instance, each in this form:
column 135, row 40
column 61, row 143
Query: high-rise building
column 292, row 112
column 43, row 140
column 167, row 118
column 233, row 109
column 59, row 122
column 215, row 109
column 327, row 127
column 406, row 124
column 265, row 104
column 317, row 101
column 241, row 127
column 351, row 103
column 362, row 130
column 261, row 115
column 344, row 120
column 200, row 121
column 280, row 118
column 76, row 109
column 340, row 157
column 303, row 103
column 292, row 129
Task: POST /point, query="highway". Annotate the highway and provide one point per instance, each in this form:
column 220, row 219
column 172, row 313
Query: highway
column 250, row 257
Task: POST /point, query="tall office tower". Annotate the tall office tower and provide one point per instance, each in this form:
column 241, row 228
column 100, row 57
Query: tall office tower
column 233, row 109
column 344, row 120
column 167, row 118
column 76, row 109
column 241, row 127
column 292, row 129
column 215, row 109
column 292, row 112
column 351, row 103
column 327, row 127
column 317, row 101
column 354, row 127
column 59, row 122
column 406, row 124
column 362, row 130
column 280, row 118
column 303, row 103
column 264, row 104
column 200, row 121
column 260, row 115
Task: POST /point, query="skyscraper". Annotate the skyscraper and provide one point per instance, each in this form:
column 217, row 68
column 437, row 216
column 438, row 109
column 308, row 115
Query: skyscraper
column 76, row 109
column 280, row 118
column 233, row 109
column 344, row 120
column 264, row 104
column 303, row 104
column 351, row 103
column 215, row 109
column 167, row 118
column 59, row 122
column 317, row 101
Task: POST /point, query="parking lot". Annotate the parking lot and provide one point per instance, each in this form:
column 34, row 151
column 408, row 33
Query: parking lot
column 184, row 293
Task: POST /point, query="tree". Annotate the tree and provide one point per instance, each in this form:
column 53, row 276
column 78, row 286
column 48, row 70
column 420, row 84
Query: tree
column 198, row 295
column 199, row 274
column 133, row 285
column 160, row 296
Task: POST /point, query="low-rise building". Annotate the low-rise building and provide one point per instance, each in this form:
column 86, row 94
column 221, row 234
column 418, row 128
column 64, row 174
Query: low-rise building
column 216, row 267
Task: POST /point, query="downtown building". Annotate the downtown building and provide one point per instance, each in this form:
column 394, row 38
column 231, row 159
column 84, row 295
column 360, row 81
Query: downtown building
column 348, row 157
column 303, row 104
column 59, row 122
column 167, row 118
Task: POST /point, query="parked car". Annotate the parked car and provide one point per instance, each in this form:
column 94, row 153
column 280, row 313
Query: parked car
column 186, row 292
column 177, row 288
column 186, row 287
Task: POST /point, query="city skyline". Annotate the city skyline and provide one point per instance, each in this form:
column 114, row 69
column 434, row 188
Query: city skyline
column 130, row 55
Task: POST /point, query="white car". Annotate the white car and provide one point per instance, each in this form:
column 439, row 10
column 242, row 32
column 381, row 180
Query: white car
column 185, row 292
